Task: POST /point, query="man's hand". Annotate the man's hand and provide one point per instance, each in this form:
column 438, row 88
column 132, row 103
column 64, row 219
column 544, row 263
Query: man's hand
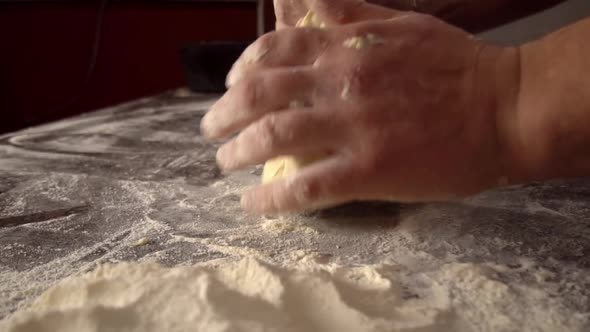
column 406, row 109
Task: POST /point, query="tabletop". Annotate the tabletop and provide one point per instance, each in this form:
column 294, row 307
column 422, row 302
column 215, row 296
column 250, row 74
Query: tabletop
column 137, row 182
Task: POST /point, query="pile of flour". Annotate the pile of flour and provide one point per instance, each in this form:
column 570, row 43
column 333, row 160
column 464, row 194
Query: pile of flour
column 248, row 295
column 253, row 295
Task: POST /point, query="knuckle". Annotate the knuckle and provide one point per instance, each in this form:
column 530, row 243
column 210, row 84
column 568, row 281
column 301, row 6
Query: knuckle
column 357, row 80
column 369, row 164
column 282, row 8
column 266, row 42
column 322, row 60
column 363, row 83
column 267, row 131
column 374, row 154
column 250, row 93
column 298, row 38
column 302, row 44
column 261, row 49
column 306, row 192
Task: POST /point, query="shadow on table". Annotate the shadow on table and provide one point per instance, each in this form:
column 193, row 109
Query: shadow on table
column 362, row 215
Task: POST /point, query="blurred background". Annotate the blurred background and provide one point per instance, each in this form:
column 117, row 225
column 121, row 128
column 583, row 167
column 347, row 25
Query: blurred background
column 61, row 58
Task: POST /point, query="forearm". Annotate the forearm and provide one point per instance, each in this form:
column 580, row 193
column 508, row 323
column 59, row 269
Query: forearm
column 550, row 127
column 472, row 15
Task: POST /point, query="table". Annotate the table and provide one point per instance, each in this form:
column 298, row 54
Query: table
column 137, row 182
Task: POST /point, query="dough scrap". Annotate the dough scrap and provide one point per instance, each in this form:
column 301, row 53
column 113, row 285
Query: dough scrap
column 280, row 167
column 310, row 20
column 362, row 42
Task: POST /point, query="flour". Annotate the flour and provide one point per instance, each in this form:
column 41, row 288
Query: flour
column 285, row 225
column 514, row 259
column 253, row 295
column 245, row 296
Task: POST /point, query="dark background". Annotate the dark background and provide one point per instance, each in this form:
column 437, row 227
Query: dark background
column 47, row 46
column 46, row 49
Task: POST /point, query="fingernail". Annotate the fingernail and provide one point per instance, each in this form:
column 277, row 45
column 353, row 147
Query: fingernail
column 224, row 158
column 207, row 124
column 213, row 121
column 235, row 72
column 231, row 78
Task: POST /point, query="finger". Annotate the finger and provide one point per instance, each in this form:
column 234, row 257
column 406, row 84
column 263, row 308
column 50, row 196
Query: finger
column 285, row 48
column 288, row 12
column 325, row 183
column 293, row 132
column 256, row 96
column 303, row 46
column 339, row 12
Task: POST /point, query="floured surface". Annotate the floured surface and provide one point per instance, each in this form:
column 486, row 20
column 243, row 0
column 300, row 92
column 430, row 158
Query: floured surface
column 137, row 183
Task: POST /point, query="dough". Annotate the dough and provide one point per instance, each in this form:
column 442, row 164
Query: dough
column 245, row 296
column 310, row 20
column 282, row 166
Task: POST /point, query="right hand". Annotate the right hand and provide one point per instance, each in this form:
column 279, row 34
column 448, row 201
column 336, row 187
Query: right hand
column 410, row 116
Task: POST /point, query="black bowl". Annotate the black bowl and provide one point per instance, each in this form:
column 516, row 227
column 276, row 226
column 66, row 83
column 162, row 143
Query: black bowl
column 207, row 64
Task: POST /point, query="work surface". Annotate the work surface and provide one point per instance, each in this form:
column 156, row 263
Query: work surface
column 138, row 183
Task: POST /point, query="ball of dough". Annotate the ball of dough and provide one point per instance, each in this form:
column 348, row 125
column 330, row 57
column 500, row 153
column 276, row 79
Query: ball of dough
column 280, row 167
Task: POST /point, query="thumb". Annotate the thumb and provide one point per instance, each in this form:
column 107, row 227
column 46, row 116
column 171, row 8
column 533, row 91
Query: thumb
column 338, row 12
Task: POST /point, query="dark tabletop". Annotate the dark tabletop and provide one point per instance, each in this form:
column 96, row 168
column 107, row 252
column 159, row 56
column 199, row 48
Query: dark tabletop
column 137, row 182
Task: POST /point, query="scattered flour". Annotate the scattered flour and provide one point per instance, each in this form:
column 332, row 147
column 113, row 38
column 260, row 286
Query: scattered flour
column 284, row 225
column 510, row 260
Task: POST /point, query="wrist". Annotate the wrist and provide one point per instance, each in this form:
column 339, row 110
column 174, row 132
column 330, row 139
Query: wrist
column 499, row 80
column 527, row 124
column 552, row 115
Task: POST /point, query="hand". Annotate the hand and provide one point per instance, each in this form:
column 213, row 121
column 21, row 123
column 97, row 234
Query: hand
column 406, row 108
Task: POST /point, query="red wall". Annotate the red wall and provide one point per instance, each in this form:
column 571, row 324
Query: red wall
column 46, row 47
